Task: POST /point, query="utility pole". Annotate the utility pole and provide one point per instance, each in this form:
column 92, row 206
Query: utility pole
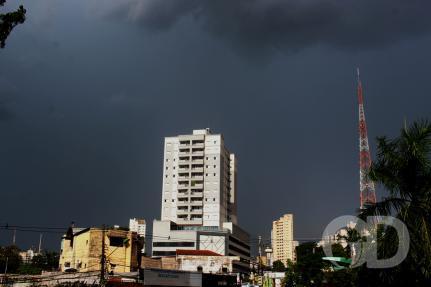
column 40, row 243
column 103, row 259
column 14, row 236
column 5, row 270
column 260, row 256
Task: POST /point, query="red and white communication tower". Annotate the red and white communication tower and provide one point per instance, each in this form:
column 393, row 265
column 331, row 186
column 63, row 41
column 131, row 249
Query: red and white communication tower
column 368, row 191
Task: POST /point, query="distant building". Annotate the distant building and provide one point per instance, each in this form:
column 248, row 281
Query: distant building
column 340, row 237
column 81, row 249
column 199, row 201
column 269, row 259
column 27, row 256
column 138, row 225
column 282, row 239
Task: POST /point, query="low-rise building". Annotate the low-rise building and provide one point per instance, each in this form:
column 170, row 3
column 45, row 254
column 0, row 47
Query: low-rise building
column 81, row 249
column 230, row 240
column 27, row 256
column 205, row 261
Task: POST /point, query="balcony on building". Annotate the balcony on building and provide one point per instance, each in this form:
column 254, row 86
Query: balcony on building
column 196, row 218
column 184, row 152
column 182, row 202
column 184, row 167
column 198, row 176
column 198, row 151
column 182, row 211
column 183, row 195
column 198, row 160
column 183, row 183
column 186, row 177
column 198, row 167
column 197, row 193
column 184, row 160
column 196, row 201
column 197, row 186
column 198, row 144
column 184, row 143
column 196, row 212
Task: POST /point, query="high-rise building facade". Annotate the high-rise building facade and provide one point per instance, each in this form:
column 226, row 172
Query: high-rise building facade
column 199, row 179
column 282, row 239
column 199, row 203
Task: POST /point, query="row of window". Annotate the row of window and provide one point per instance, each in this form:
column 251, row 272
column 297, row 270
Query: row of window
column 207, row 158
column 174, row 244
column 173, row 200
column 166, row 176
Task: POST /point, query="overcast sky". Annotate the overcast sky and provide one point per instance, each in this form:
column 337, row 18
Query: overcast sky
column 89, row 89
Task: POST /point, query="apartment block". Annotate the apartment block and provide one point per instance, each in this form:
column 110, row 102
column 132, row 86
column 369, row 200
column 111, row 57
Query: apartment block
column 283, row 244
column 199, row 199
column 199, row 180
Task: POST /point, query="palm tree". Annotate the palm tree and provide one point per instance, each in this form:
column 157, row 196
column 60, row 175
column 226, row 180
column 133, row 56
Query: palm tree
column 403, row 168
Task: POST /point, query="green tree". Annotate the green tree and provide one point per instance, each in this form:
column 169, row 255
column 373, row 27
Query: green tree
column 352, row 236
column 278, row 266
column 341, row 278
column 291, row 275
column 29, row 269
column 9, row 255
column 309, row 264
column 47, row 261
column 403, row 168
column 8, row 21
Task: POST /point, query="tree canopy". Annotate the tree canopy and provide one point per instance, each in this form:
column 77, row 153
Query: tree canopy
column 8, row 21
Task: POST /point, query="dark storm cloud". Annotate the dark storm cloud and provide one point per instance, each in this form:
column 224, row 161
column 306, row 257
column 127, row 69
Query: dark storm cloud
column 93, row 99
column 153, row 14
column 5, row 113
column 6, row 100
column 287, row 25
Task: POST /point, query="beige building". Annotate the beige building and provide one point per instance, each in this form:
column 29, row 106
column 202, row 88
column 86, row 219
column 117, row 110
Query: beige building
column 282, row 239
column 81, row 249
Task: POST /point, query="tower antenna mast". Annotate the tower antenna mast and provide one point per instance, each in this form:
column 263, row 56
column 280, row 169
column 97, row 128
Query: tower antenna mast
column 367, row 189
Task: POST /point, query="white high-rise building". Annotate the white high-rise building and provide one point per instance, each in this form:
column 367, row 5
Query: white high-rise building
column 138, row 225
column 199, row 179
column 199, row 203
